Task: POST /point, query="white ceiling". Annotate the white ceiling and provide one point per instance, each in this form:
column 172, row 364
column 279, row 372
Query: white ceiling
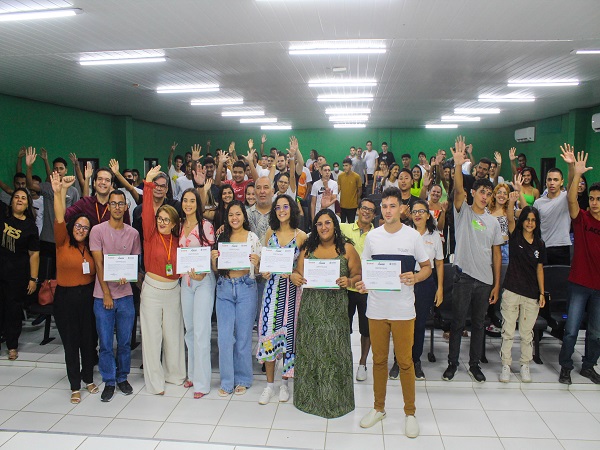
column 441, row 54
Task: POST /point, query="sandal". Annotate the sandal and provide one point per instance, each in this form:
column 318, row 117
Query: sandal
column 240, row 390
column 198, row 395
column 13, row 354
column 223, row 393
column 92, row 388
column 188, row 384
column 75, row 397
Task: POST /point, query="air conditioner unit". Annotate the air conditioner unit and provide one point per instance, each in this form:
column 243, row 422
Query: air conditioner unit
column 525, row 134
column 596, row 123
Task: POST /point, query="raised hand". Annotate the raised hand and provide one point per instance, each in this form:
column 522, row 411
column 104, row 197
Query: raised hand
column 513, row 197
column 439, row 157
column 207, row 185
column 232, row 147
column 67, row 181
column 426, row 180
column 512, row 154
column 73, row 158
column 250, row 144
column 469, row 149
column 263, row 138
column 293, row 145
column 208, row 143
column 250, row 156
column 581, row 162
column 22, row 151
column 458, row 154
column 223, row 158
column 444, row 206
column 196, row 150
column 518, row 182
column 56, row 183
column 152, row 173
column 44, row 154
column 498, row 158
column 568, row 153
column 89, row 170
column 114, row 166
column 174, row 146
column 30, row 156
column 199, row 175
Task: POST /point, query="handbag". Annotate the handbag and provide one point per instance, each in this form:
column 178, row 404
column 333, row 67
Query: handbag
column 46, row 293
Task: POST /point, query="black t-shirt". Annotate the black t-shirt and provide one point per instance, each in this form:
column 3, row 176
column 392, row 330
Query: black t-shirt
column 410, row 201
column 387, row 157
column 19, row 237
column 468, row 181
column 315, row 175
column 521, row 274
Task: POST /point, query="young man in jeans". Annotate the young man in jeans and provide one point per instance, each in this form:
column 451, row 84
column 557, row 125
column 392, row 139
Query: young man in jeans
column 113, row 300
column 477, row 265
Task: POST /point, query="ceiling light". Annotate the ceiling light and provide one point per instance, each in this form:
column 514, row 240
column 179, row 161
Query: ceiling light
column 242, row 113
column 39, row 14
column 340, row 82
column 276, row 127
column 588, row 52
column 345, row 98
column 184, row 89
column 358, row 118
column 348, row 111
column 349, row 125
column 339, row 47
column 260, row 120
column 102, row 62
column 506, row 99
column 476, row 111
column 460, row 119
column 543, row 83
column 440, row 125
column 217, row 101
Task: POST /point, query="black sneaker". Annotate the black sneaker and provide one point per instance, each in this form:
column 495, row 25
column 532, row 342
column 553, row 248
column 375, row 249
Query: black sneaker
column 476, row 374
column 125, row 388
column 108, row 393
column 394, row 371
column 449, row 372
column 565, row 376
column 591, row 374
column 419, row 375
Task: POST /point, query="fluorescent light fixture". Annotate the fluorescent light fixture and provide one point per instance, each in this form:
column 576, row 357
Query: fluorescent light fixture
column 345, row 98
column 460, row 119
column 184, row 89
column 103, row 62
column 348, row 111
column 504, row 99
column 476, row 111
column 242, row 113
column 39, row 14
column 276, row 127
column 543, row 83
column 441, row 125
column 349, row 125
column 260, row 120
column 338, row 47
column 340, row 82
column 358, row 118
column 588, row 52
column 218, row 101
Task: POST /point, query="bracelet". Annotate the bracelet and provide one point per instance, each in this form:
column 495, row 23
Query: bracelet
column 35, row 280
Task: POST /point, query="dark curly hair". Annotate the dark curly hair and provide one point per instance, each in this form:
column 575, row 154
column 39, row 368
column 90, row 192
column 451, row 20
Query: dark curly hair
column 294, row 213
column 71, row 224
column 29, row 212
column 313, row 240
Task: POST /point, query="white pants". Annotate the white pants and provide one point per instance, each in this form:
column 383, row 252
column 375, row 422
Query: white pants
column 524, row 309
column 162, row 331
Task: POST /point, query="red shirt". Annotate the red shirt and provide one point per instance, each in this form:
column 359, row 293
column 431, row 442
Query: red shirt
column 239, row 189
column 95, row 211
column 585, row 269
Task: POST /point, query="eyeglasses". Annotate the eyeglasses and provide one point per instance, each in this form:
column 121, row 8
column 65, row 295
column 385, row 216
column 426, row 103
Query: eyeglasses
column 117, row 204
column 282, row 207
column 367, row 209
column 80, row 227
column 164, row 220
column 160, row 186
column 327, row 223
column 419, row 212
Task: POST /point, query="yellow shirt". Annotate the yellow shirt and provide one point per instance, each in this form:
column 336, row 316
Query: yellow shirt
column 353, row 231
column 349, row 187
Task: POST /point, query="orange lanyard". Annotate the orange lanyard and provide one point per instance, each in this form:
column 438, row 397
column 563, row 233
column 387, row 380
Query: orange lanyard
column 165, row 245
column 98, row 213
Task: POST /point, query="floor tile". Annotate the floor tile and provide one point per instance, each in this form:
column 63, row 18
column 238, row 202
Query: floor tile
column 44, row 441
column 185, row 432
column 171, row 390
column 395, row 418
column 53, row 401
column 522, row 424
column 145, row 407
column 240, row 435
column 580, row 444
column 503, row 399
column 530, row 444
column 288, row 417
column 5, row 415
column 567, row 425
column 10, row 374
column 132, row 428
column 452, row 422
column 31, row 421
column 104, row 443
column 249, row 414
column 350, row 423
column 296, row 439
column 81, row 424
column 254, row 393
column 92, row 406
column 471, row 443
column 396, row 441
column 15, row 398
column 349, row 441
column 201, row 411
column 589, row 399
column 458, row 398
column 170, row 445
column 5, row 436
column 41, row 378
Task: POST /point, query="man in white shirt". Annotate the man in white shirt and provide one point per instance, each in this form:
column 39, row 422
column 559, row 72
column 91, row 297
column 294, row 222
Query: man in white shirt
column 185, row 182
column 174, row 164
column 324, row 192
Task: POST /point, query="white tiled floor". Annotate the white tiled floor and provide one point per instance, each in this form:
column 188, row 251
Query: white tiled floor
column 35, row 411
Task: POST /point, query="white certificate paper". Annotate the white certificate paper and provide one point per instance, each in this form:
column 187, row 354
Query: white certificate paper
column 117, row 267
column 197, row 258
column 234, row 256
column 277, row 260
column 321, row 273
column 381, row 275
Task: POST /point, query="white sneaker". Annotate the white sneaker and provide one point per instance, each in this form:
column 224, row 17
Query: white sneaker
column 525, row 374
column 505, row 374
column 372, row 418
column 411, row 427
column 361, row 373
column 284, row 393
column 266, row 395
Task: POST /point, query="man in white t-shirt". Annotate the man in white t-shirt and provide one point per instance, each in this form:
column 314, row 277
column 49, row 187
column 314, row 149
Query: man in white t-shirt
column 174, row 164
column 324, row 192
column 393, row 312
column 185, row 182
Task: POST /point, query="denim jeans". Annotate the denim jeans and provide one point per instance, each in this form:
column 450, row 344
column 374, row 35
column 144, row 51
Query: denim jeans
column 197, row 302
column 468, row 291
column 122, row 316
column 424, row 300
column 578, row 297
column 236, row 311
column 504, row 251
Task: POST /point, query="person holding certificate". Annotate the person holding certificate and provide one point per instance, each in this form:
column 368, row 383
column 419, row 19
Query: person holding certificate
column 236, row 299
column 323, row 371
column 281, row 300
column 197, row 295
column 160, row 307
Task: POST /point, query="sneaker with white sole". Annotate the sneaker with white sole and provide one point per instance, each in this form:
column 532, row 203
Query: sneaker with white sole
column 284, row 393
column 505, row 374
column 266, row 395
column 411, row 427
column 361, row 373
column 372, row 418
column 525, row 374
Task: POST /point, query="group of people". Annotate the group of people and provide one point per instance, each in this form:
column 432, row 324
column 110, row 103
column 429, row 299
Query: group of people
column 443, row 209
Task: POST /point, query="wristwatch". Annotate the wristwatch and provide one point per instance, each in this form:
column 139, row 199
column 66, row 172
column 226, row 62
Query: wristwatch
column 35, row 280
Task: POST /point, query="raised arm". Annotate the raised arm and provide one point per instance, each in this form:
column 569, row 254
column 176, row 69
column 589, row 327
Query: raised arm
column 44, row 156
column 148, row 216
column 510, row 211
column 263, row 139
column 171, row 154
column 299, row 159
column 442, row 219
column 458, row 154
column 221, row 159
column 6, row 188
column 250, row 160
column 579, row 169
column 30, row 157
column 77, row 169
column 498, row 159
column 114, row 166
column 512, row 155
column 293, row 155
column 60, row 194
column 20, row 156
column 89, row 173
column 568, row 155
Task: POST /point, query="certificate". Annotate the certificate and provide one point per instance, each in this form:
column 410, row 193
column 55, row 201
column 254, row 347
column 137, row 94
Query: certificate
column 277, row 260
column 381, row 275
column 321, row 273
column 117, row 267
column 234, row 256
column 197, row 258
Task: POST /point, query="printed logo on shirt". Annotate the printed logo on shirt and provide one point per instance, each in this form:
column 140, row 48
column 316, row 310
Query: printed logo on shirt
column 536, row 254
column 478, row 225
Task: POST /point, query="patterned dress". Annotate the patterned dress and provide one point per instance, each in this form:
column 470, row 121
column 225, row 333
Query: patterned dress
column 278, row 316
column 323, row 384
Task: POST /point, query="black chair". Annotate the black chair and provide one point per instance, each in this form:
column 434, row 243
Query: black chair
column 44, row 311
column 555, row 311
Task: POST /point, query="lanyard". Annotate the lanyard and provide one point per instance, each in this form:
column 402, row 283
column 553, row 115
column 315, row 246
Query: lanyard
column 98, row 213
column 165, row 245
column 82, row 251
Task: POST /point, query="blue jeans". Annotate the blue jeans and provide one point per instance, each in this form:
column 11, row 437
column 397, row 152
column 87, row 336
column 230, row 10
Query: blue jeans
column 122, row 316
column 236, row 311
column 578, row 297
column 504, row 251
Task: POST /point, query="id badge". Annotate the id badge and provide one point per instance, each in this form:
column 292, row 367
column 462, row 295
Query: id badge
column 169, row 268
column 86, row 267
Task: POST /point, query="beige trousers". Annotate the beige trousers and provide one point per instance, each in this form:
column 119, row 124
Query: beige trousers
column 162, row 332
column 516, row 307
